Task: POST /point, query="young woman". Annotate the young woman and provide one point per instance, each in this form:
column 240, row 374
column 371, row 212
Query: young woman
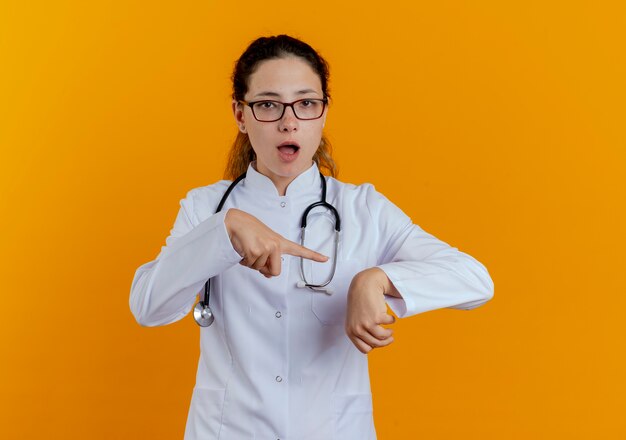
column 295, row 310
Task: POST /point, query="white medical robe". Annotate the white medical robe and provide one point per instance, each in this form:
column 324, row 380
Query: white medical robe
column 276, row 363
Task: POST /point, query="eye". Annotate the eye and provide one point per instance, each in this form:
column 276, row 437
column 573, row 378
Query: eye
column 306, row 103
column 265, row 105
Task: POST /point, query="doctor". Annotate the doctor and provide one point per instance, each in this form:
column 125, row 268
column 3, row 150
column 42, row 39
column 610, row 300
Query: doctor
column 283, row 361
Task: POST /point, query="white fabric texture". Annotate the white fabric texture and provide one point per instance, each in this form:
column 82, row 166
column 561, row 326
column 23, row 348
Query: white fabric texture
column 276, row 363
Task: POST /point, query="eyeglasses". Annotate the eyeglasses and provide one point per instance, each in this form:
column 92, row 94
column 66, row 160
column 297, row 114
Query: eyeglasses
column 303, row 109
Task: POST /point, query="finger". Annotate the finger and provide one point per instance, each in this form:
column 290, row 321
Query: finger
column 387, row 319
column 247, row 260
column 260, row 262
column 386, row 342
column 380, row 332
column 292, row 248
column 360, row 345
column 273, row 265
column 375, row 342
column 265, row 272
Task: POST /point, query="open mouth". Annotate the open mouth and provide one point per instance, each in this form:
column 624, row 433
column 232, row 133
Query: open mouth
column 288, row 149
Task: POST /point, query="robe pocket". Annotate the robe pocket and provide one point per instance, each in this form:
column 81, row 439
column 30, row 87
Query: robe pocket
column 331, row 309
column 205, row 413
column 353, row 417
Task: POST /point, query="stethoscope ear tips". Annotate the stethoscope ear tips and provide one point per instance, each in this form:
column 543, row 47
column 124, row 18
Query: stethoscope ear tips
column 203, row 315
column 300, row 284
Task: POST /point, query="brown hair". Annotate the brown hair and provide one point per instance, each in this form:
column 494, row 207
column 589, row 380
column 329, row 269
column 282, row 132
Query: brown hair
column 261, row 49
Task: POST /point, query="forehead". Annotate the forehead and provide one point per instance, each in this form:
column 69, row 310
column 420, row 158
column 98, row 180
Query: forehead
column 284, row 77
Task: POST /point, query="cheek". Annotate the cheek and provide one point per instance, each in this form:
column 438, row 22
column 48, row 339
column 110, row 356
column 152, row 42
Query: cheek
column 259, row 138
column 255, row 133
column 315, row 135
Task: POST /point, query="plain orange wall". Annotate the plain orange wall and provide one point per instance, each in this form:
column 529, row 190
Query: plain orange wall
column 498, row 126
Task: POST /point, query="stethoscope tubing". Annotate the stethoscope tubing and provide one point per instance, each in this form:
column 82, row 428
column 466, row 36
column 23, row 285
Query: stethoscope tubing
column 202, row 312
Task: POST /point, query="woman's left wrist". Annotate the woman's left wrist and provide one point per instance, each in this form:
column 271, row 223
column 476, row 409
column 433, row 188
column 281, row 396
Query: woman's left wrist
column 376, row 276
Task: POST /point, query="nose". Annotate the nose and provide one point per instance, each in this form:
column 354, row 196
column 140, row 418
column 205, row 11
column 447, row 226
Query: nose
column 288, row 122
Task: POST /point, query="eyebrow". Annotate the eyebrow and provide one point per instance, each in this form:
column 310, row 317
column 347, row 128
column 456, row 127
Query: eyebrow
column 277, row 95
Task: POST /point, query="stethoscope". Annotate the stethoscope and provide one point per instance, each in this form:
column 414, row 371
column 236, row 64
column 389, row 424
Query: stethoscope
column 202, row 312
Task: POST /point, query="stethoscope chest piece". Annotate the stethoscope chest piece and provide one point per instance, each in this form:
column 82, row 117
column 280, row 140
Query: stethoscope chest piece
column 203, row 314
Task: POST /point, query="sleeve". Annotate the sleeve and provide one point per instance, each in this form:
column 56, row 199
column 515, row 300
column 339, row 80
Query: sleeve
column 428, row 273
column 164, row 290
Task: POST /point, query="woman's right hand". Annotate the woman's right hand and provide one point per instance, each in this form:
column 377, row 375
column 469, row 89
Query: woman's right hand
column 260, row 247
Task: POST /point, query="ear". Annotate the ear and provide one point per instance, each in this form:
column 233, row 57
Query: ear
column 239, row 115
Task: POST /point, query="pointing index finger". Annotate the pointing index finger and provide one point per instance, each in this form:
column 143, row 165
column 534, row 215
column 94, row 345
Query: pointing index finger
column 292, row 248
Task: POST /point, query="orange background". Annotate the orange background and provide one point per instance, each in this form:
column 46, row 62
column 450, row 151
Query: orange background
column 497, row 126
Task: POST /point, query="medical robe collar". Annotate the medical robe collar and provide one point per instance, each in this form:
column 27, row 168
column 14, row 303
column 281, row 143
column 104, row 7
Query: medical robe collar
column 306, row 182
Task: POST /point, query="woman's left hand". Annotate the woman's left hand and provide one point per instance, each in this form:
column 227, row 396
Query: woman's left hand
column 367, row 310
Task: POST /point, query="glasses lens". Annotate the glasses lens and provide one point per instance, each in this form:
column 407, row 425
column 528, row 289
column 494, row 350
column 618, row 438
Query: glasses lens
column 309, row 108
column 267, row 110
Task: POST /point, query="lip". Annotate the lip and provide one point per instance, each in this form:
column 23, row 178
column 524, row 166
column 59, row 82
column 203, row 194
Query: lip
column 289, row 143
column 286, row 157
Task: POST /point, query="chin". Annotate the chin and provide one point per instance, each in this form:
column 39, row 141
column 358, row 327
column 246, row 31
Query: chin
column 284, row 169
column 291, row 169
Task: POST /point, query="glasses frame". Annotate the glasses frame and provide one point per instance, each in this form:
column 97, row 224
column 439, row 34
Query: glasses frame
column 285, row 105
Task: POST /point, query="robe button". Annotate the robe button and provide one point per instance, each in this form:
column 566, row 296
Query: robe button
column 279, row 379
column 283, row 204
column 278, row 314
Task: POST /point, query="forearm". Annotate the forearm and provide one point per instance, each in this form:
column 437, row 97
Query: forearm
column 164, row 290
column 450, row 280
